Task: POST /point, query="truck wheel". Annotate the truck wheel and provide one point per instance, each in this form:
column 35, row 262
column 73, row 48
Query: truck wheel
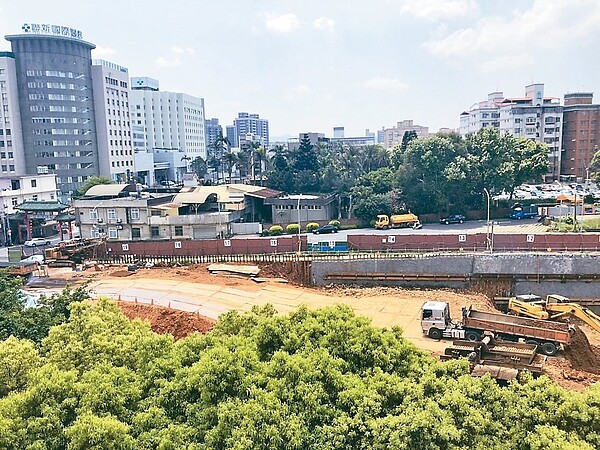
column 549, row 349
column 472, row 336
column 435, row 333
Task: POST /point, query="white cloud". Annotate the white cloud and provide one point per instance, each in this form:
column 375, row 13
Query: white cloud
column 284, row 23
column 547, row 24
column 103, row 52
column 325, row 24
column 439, row 9
column 296, row 93
column 507, row 62
column 385, row 84
column 174, row 56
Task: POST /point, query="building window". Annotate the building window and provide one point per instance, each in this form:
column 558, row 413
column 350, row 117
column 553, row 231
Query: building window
column 93, row 214
column 112, row 214
column 112, row 233
column 154, row 232
column 136, row 233
column 178, row 230
column 135, row 214
column 33, row 183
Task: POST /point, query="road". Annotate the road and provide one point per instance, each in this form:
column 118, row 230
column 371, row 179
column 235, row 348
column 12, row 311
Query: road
column 28, row 251
column 528, row 226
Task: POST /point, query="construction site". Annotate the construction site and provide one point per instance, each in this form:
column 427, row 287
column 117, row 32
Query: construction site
column 180, row 299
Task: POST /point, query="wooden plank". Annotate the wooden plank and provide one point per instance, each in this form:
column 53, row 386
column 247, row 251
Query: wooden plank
column 244, row 270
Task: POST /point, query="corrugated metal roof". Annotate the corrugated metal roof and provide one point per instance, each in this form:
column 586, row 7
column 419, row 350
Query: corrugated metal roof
column 226, row 193
column 105, row 190
column 265, row 193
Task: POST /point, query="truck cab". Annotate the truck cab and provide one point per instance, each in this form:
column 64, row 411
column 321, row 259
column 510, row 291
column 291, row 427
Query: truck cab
column 435, row 317
column 382, row 222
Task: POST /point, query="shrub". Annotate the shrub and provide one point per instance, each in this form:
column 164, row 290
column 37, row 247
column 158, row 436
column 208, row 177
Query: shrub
column 312, row 226
column 276, row 230
column 335, row 223
column 292, row 228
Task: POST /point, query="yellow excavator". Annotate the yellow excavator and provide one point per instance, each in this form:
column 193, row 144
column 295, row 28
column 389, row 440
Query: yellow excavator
column 553, row 307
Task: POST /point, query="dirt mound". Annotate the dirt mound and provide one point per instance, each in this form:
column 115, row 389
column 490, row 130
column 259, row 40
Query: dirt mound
column 165, row 320
column 121, row 273
column 581, row 354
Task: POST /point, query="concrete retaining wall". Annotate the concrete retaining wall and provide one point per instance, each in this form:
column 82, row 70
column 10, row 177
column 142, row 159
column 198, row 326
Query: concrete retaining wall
column 478, row 264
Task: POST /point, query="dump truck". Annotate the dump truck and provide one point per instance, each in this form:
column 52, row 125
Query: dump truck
column 553, row 307
column 499, row 360
column 549, row 336
column 384, row 221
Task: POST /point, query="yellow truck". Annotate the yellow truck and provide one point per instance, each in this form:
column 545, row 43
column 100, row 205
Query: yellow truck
column 384, row 221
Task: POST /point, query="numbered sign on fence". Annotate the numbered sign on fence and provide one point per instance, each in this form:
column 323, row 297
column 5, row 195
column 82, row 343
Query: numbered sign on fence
column 531, row 238
column 125, row 247
column 391, row 239
column 462, row 238
column 177, row 244
column 273, row 242
column 227, row 242
column 331, row 244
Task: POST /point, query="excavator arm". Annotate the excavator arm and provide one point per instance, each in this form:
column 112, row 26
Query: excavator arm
column 558, row 310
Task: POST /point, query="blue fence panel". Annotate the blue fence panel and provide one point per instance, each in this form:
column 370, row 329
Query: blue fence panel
column 328, row 246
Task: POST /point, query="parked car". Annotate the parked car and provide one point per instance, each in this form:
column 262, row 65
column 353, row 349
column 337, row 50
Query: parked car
column 453, row 218
column 34, row 242
column 326, row 229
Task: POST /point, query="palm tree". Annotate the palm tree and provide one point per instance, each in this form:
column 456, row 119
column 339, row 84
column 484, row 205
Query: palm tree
column 230, row 159
column 219, row 146
column 261, row 155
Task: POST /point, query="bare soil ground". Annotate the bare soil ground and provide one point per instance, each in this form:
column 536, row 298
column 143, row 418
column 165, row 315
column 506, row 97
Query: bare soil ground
column 168, row 321
column 575, row 369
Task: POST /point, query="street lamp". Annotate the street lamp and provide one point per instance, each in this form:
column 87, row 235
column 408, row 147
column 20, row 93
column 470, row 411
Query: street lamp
column 299, row 226
column 488, row 239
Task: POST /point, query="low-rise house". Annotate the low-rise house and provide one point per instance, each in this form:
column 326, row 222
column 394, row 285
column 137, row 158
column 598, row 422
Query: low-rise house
column 302, row 208
column 124, row 212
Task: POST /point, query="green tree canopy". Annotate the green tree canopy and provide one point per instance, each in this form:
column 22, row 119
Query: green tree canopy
column 324, row 379
column 93, row 181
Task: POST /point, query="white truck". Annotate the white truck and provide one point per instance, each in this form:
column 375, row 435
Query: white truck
column 549, row 336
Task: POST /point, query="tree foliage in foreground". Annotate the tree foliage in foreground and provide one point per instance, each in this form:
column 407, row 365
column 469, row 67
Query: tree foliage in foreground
column 322, row 379
column 16, row 319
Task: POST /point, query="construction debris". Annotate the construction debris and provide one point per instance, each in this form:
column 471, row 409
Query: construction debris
column 265, row 280
column 224, row 269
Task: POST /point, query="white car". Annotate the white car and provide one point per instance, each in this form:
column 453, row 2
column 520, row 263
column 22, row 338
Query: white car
column 34, row 242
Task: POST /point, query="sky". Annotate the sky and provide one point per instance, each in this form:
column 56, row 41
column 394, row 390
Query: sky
column 311, row 65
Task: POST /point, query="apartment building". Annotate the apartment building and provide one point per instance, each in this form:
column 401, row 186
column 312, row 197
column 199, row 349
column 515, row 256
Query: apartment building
column 12, row 157
column 113, row 121
column 581, row 135
column 249, row 124
column 393, row 136
column 533, row 116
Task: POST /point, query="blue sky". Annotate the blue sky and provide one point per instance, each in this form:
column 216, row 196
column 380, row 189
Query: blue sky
column 311, row 65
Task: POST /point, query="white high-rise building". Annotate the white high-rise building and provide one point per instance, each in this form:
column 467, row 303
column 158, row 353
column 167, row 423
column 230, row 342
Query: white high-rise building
column 533, row 117
column 171, row 120
column 113, row 121
column 12, row 156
